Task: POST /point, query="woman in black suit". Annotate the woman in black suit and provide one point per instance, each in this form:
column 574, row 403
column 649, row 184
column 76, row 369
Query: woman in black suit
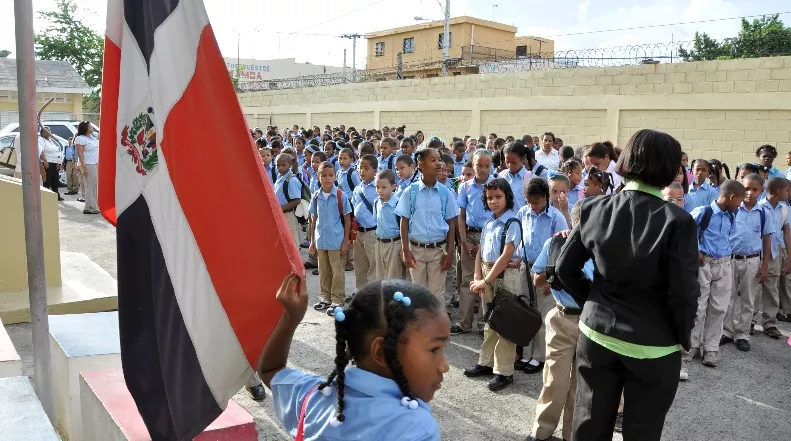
column 640, row 308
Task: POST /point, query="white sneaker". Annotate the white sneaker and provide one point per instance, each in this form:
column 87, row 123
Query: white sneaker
column 684, row 374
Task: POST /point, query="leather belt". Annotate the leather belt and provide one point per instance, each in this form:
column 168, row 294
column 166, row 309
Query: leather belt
column 750, row 256
column 569, row 311
column 474, row 230
column 428, row 245
column 395, row 239
column 365, row 230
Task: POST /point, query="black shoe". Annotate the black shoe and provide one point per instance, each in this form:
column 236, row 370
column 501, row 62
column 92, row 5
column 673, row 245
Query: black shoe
column 310, row 265
column 70, row 193
column 752, row 329
column 331, row 310
column 456, row 330
column 315, row 272
column 500, row 382
column 724, row 340
column 618, row 423
column 481, row 333
column 478, row 371
column 80, row 199
column 321, row 305
column 782, row 318
column 349, row 267
column 519, row 365
column 742, row 345
column 530, row 369
column 60, row 198
column 455, row 303
column 257, row 392
column 305, row 244
column 90, row 212
column 773, row 332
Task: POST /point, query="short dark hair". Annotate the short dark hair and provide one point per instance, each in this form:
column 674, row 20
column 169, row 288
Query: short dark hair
column 386, row 174
column 537, row 187
column 732, row 187
column 366, row 148
column 768, row 147
column 651, row 157
column 406, row 159
column 549, row 134
column 755, row 177
column 321, row 155
column 371, row 160
column 459, row 145
column 82, row 128
column 276, row 144
column 499, row 184
column 566, row 153
column 773, row 185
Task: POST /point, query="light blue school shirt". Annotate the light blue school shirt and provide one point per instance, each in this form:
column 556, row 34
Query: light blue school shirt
column 387, row 223
column 778, row 241
column 714, row 242
column 336, row 164
column 544, row 173
column 746, row 236
column 294, row 187
column 315, row 185
column 372, row 407
column 762, row 196
column 268, row 169
column 788, row 174
column 458, row 166
column 517, row 183
column 491, row 237
column 537, row 228
column 470, row 198
column 427, row 225
column 700, row 197
column 775, row 173
column 365, row 217
column 401, row 186
column 384, row 163
column 562, row 298
column 342, row 180
column 575, row 195
column 301, row 159
column 329, row 228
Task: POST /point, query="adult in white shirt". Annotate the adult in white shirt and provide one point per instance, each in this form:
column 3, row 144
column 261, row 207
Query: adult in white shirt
column 547, row 155
column 18, row 168
column 88, row 153
column 53, row 158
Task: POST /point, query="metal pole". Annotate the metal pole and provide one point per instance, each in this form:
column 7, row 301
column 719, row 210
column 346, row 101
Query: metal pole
column 354, row 57
column 344, row 65
column 446, row 40
column 31, row 203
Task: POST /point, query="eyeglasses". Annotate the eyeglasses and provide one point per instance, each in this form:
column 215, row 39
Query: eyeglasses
column 674, row 200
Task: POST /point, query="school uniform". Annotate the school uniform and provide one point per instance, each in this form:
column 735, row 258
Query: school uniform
column 334, row 161
column 451, row 281
column 747, row 243
column 770, row 294
column 517, row 183
column 775, row 173
column 428, row 232
column 372, row 408
column 715, row 277
column 342, row 178
column 387, row 163
column 271, row 172
column 301, row 159
column 458, row 166
column 575, row 195
column 365, row 244
column 388, row 240
column 534, row 172
column 536, row 229
column 560, row 379
column 470, row 198
column 400, row 187
column 616, row 178
column 788, row 174
column 699, row 197
column 329, row 236
column 294, row 192
column 497, row 352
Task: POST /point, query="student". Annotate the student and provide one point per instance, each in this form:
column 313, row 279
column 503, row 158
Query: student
column 385, row 333
column 566, row 153
column 685, row 164
column 715, row 226
column 751, row 238
column 387, row 156
column 276, row 145
column 600, row 155
column 329, row 238
column 459, row 158
column 540, row 221
column 573, row 170
column 451, row 283
column 405, row 170
column 674, row 193
column 269, row 168
column 407, row 147
column 700, row 193
column 299, row 146
column 347, row 178
column 495, row 268
column 363, row 206
column 288, row 182
column 558, row 194
column 547, row 155
column 316, row 160
column 388, row 239
column 472, row 218
column 329, row 150
column 766, row 155
column 428, row 225
column 719, row 173
column 779, row 263
column 742, row 170
column 597, row 183
column 308, row 173
column 788, row 163
column 515, row 174
column 534, row 167
column 467, row 173
column 444, row 176
column 562, row 332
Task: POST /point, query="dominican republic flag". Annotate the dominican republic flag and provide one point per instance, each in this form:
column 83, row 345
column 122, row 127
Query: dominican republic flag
column 202, row 242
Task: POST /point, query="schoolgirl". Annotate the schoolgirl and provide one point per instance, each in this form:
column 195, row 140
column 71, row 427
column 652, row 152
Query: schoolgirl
column 573, row 170
column 597, row 183
column 766, row 155
column 515, row 155
column 347, row 178
column 719, row 172
column 700, row 192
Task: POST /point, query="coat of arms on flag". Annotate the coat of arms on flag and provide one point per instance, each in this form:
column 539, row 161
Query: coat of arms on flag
column 196, row 282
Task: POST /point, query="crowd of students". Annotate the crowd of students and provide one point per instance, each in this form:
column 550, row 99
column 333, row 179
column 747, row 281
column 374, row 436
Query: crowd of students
column 460, row 220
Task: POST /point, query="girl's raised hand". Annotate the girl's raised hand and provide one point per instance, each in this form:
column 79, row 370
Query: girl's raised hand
column 293, row 295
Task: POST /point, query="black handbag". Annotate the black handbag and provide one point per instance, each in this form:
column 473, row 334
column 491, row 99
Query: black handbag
column 511, row 315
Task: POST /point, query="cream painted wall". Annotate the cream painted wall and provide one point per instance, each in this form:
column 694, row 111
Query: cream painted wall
column 717, row 109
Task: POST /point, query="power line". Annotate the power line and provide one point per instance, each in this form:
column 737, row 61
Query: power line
column 340, row 16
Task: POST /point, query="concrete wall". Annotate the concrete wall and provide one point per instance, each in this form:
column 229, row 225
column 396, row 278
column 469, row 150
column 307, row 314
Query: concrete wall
column 716, row 109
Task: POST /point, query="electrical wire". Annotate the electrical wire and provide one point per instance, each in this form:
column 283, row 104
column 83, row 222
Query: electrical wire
column 339, row 16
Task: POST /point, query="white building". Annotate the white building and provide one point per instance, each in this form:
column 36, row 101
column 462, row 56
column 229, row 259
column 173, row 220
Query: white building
column 260, row 70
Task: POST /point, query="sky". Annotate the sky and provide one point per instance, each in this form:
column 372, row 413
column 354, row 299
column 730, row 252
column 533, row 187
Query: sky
column 308, row 30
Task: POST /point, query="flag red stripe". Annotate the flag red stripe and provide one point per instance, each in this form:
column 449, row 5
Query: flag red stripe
column 111, row 76
column 230, row 206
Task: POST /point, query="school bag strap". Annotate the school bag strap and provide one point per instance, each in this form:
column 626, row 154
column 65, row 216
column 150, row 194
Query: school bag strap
column 784, row 210
column 555, row 246
column 390, row 161
column 366, row 201
column 303, row 411
column 761, row 212
column 513, row 220
column 287, row 179
column 349, row 180
column 540, row 169
column 708, row 212
column 339, row 196
column 274, row 174
column 443, row 198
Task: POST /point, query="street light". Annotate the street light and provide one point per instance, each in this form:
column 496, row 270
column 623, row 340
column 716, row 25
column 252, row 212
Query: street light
column 494, row 6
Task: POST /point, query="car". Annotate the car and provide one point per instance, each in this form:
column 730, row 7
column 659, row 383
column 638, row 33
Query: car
column 9, row 157
column 64, row 129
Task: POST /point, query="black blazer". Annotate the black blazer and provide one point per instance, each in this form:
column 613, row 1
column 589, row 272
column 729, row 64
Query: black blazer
column 645, row 286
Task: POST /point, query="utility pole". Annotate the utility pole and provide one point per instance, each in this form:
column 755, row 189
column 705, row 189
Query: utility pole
column 344, row 65
column 446, row 40
column 354, row 38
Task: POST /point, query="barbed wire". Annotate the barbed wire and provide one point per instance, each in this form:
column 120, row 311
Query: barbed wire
column 482, row 60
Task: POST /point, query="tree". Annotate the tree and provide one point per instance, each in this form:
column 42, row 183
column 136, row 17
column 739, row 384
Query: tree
column 764, row 37
column 4, row 53
column 67, row 39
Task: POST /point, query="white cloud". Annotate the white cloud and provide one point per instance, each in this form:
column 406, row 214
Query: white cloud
column 582, row 11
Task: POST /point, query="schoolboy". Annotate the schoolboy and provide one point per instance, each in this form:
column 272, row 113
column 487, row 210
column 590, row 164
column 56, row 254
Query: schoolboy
column 459, row 158
column 287, row 179
column 779, row 264
column 387, row 155
column 363, row 205
column 388, row 239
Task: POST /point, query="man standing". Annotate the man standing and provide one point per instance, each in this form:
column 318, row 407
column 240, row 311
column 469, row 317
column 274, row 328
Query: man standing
column 547, row 155
column 69, row 164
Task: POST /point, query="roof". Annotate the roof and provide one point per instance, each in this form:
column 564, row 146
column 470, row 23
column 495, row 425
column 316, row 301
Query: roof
column 51, row 76
column 440, row 23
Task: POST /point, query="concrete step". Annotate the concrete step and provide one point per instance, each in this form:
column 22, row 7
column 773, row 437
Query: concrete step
column 21, row 416
column 10, row 363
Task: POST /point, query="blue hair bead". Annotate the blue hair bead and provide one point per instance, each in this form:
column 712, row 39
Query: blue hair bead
column 406, row 301
column 339, row 314
column 398, row 296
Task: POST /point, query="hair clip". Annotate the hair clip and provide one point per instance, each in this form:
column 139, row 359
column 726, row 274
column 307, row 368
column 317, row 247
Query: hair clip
column 339, row 314
column 406, row 402
column 327, row 391
column 400, row 297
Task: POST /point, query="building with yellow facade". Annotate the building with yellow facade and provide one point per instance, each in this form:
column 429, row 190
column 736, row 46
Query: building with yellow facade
column 472, row 41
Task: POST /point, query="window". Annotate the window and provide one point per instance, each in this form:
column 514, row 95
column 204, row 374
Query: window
column 450, row 40
column 409, row 45
column 60, row 130
column 380, row 49
column 521, row 51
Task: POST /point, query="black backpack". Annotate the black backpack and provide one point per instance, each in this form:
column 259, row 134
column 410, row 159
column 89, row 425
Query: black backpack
column 708, row 212
column 555, row 246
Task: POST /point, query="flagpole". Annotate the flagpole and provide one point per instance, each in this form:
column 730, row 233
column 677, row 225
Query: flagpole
column 31, row 203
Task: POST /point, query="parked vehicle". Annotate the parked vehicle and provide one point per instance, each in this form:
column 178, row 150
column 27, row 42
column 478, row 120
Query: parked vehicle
column 64, row 129
column 9, row 155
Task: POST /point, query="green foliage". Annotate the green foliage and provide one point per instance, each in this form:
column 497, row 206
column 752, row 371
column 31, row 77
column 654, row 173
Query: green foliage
column 67, row 39
column 4, row 53
column 764, row 37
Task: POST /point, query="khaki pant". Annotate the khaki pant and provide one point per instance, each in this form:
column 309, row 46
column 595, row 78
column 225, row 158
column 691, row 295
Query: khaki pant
column 451, row 284
column 388, row 260
column 770, row 292
column 745, row 287
column 497, row 352
column 560, row 376
column 293, row 227
column 91, row 188
column 468, row 299
column 428, row 270
column 784, row 290
column 331, row 279
column 72, row 176
column 365, row 258
column 544, row 303
column 715, row 292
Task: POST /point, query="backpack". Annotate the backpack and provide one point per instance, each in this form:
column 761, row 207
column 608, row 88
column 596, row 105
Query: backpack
column 708, row 212
column 390, row 162
column 443, row 197
column 339, row 196
column 273, row 173
column 540, row 169
column 555, row 246
column 302, row 210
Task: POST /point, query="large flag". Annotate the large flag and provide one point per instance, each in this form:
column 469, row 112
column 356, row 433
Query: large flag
column 202, row 242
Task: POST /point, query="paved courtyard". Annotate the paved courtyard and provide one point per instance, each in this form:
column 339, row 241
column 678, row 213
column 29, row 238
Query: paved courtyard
column 747, row 397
